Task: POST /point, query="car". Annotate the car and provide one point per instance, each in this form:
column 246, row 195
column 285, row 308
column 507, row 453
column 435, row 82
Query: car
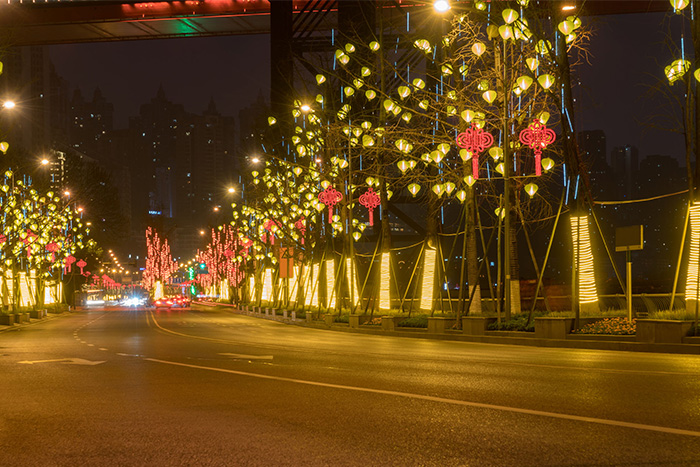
column 164, row 302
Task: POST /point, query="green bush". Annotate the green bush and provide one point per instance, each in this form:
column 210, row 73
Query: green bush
column 516, row 323
column 419, row 321
column 677, row 314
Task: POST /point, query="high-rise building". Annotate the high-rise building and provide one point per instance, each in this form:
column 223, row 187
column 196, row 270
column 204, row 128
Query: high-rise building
column 592, row 148
column 91, row 125
column 625, row 165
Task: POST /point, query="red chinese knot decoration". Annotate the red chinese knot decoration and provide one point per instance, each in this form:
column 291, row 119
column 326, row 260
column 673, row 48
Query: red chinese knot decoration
column 52, row 248
column 330, row 197
column 370, row 199
column 81, row 264
column 301, row 227
column 537, row 137
column 475, row 140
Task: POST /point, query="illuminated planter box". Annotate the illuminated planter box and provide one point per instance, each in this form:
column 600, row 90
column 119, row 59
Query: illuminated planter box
column 355, row 321
column 662, row 330
column 476, row 325
column 391, row 323
column 7, row 320
column 37, row 314
column 329, row 319
column 439, row 325
column 22, row 318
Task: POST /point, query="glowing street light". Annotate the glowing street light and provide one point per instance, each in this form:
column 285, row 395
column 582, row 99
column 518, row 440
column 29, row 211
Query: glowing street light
column 255, row 160
column 8, row 104
column 231, row 190
column 44, row 161
column 305, row 107
column 441, row 6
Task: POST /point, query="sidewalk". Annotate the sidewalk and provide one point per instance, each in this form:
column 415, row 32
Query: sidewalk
column 577, row 341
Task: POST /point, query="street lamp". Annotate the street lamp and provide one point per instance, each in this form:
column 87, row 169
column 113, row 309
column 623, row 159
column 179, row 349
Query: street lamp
column 8, row 104
column 441, row 6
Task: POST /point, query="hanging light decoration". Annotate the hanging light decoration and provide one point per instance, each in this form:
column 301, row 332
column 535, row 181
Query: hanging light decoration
column 474, row 140
column 370, row 199
column 537, row 137
column 531, row 189
column 413, row 188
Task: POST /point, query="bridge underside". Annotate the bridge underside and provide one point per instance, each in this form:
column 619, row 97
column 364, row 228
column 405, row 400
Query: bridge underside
column 53, row 22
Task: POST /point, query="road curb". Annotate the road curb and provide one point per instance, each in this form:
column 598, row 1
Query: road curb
column 624, row 346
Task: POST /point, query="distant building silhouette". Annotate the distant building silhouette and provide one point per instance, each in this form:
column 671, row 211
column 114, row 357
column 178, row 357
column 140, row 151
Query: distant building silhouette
column 625, row 165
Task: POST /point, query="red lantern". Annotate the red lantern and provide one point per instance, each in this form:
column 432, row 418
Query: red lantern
column 330, row 197
column 370, row 199
column 475, row 140
column 537, row 137
column 53, row 248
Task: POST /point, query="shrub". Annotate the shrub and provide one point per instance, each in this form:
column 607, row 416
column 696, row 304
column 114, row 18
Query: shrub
column 419, row 321
column 616, row 326
column 516, row 323
column 679, row 314
column 373, row 322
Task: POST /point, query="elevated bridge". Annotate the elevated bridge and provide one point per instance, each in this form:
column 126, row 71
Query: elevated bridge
column 42, row 22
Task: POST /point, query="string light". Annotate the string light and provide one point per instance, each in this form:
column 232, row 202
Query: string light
column 384, row 281
column 427, row 288
column 588, row 292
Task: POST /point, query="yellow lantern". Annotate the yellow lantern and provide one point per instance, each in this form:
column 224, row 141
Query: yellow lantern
column 489, row 96
column 524, row 82
column 478, row 49
column 532, row 63
column 496, row 153
column 320, row 79
column 566, row 27
column 678, row 5
column 510, row 15
column 467, row 115
column 270, row 121
column 413, row 188
column 369, row 94
column 367, row 141
column 544, row 117
column 546, row 80
column 403, row 165
column 449, row 187
column 438, row 189
column 461, row 195
column 469, row 180
column 348, row 91
column 547, row 164
column 506, row 32
column 531, row 189
column 356, row 235
column 374, row 46
column 404, row 91
column 500, row 168
column 465, row 155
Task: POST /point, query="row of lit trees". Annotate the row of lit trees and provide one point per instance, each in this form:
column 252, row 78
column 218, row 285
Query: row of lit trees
column 467, row 124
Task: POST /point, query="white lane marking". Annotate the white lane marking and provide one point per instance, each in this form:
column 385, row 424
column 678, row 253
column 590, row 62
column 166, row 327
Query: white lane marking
column 601, row 421
column 102, row 348
column 70, row 361
column 247, row 357
column 91, row 345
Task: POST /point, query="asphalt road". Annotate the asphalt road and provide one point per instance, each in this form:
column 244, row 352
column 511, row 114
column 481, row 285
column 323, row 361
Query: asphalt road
column 139, row 387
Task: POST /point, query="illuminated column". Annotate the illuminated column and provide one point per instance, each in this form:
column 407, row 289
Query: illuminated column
column 251, row 288
column 428, row 286
column 330, row 283
column 158, row 292
column 315, row 271
column 587, row 292
column 384, row 282
column 312, row 286
column 352, row 281
column 295, row 286
column 224, row 294
column 9, row 289
column 24, row 293
column 691, row 281
column 267, row 285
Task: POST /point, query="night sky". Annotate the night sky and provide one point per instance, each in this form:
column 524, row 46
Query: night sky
column 627, row 52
